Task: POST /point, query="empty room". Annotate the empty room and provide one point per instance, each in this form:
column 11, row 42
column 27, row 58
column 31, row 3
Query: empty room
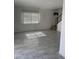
column 37, row 29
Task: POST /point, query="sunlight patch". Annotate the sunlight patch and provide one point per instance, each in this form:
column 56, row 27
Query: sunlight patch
column 35, row 35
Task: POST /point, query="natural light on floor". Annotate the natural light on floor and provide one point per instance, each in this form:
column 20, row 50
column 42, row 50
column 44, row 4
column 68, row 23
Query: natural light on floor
column 35, row 35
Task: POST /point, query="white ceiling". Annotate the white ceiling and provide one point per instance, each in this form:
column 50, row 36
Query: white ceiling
column 43, row 4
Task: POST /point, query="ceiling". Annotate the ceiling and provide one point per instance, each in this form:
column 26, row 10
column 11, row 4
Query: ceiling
column 43, row 4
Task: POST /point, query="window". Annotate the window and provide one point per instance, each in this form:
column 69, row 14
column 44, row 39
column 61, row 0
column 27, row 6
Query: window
column 31, row 18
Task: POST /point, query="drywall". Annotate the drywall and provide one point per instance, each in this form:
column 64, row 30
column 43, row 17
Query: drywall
column 61, row 28
column 46, row 19
column 45, row 4
column 62, row 39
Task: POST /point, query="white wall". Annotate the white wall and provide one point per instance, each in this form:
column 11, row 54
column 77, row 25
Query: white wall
column 61, row 28
column 46, row 20
column 62, row 39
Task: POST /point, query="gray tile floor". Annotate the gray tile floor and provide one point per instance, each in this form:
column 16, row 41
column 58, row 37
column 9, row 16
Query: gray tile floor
column 37, row 45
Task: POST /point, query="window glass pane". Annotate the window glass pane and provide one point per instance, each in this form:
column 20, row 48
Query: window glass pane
column 35, row 17
column 31, row 18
